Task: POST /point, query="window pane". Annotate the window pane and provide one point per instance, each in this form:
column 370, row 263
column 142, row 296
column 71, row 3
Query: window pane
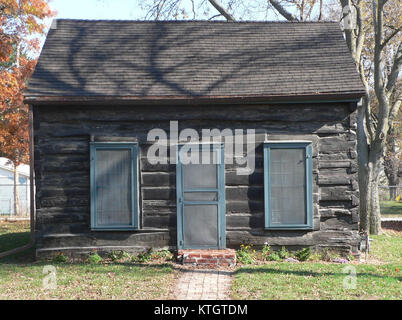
column 200, row 225
column 288, row 186
column 113, row 187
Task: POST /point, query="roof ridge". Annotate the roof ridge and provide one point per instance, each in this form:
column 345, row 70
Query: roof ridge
column 196, row 21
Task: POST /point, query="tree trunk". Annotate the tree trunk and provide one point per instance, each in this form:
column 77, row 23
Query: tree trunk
column 370, row 215
column 374, row 204
column 16, row 197
column 393, row 182
column 391, row 164
column 392, row 192
column 362, row 158
column 365, row 195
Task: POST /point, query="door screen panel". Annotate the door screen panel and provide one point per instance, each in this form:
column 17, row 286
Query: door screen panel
column 113, row 187
column 288, row 186
column 200, row 225
column 199, row 176
column 202, row 171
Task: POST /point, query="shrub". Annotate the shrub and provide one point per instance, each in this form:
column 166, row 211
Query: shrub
column 328, row 255
column 60, row 258
column 284, row 253
column 244, row 254
column 266, row 251
column 315, row 256
column 119, row 255
column 143, row 256
column 274, row 256
column 303, row 255
column 163, row 254
column 94, row 258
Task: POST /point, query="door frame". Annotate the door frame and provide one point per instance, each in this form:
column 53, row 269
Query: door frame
column 221, row 203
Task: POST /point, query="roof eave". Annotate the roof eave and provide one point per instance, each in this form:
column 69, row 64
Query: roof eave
column 186, row 100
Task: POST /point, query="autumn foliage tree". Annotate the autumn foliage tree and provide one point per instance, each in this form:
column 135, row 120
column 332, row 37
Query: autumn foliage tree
column 21, row 24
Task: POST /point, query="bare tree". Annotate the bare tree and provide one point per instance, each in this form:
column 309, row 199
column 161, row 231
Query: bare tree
column 372, row 141
column 228, row 9
column 302, row 9
column 165, row 9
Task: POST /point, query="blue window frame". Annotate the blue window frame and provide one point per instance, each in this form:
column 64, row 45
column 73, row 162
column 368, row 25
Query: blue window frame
column 114, row 185
column 288, row 185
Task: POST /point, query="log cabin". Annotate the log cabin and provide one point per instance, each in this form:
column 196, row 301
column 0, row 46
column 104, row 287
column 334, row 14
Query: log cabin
column 117, row 105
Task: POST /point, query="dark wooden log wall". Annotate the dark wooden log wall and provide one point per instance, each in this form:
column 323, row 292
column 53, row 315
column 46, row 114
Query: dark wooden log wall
column 62, row 134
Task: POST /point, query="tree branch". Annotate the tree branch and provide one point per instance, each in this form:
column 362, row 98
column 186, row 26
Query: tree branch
column 286, row 14
column 379, row 84
column 320, row 15
column 222, row 10
column 361, row 33
column 308, row 14
column 215, row 16
column 349, row 33
column 388, row 39
column 396, row 68
column 394, row 110
column 366, row 103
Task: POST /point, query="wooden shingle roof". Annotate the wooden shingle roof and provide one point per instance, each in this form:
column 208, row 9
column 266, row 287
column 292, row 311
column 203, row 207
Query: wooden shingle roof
column 199, row 59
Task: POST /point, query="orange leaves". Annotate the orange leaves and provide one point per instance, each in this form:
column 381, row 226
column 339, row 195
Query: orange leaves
column 9, row 6
column 14, row 113
column 13, row 117
column 21, row 20
column 20, row 26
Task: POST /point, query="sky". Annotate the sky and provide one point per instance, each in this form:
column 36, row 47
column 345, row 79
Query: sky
column 98, row 9
column 128, row 10
column 122, row 9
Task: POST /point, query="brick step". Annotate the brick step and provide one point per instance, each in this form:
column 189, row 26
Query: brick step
column 208, row 257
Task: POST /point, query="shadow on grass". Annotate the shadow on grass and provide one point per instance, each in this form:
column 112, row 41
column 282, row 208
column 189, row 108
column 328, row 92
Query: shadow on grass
column 27, row 258
column 268, row 270
column 20, row 258
column 391, row 208
column 10, row 241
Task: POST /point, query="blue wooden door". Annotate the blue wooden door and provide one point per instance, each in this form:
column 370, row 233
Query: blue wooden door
column 201, row 197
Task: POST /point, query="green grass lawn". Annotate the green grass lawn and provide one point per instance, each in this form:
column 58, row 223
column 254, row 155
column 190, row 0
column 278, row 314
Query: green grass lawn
column 13, row 234
column 379, row 278
column 87, row 281
column 22, row 278
column 391, row 209
column 387, row 248
column 308, row 280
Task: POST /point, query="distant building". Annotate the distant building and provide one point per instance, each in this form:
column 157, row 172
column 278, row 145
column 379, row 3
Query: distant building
column 7, row 187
